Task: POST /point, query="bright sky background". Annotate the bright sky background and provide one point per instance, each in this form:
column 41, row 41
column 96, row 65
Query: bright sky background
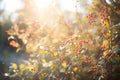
column 69, row 5
column 10, row 6
column 65, row 4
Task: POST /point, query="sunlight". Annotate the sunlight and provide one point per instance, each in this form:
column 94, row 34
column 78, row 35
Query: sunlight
column 42, row 4
column 12, row 6
column 68, row 5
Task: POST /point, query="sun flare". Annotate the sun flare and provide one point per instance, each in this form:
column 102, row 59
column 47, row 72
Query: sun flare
column 69, row 5
column 64, row 4
column 42, row 4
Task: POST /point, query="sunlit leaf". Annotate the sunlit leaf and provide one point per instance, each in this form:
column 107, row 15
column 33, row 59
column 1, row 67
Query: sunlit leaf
column 105, row 43
column 64, row 65
column 14, row 66
column 14, row 44
column 10, row 32
column 55, row 54
column 75, row 69
column 43, row 52
column 18, row 49
column 106, row 24
column 16, row 28
column 105, row 53
column 22, row 66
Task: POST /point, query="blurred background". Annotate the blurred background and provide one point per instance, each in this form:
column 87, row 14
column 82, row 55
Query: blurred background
column 55, row 21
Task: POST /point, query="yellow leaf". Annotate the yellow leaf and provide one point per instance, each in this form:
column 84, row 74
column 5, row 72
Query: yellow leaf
column 108, row 34
column 75, row 69
column 105, row 53
column 64, row 65
column 22, row 66
column 105, row 43
column 106, row 24
column 43, row 52
column 14, row 66
column 18, row 49
column 54, row 54
column 43, row 60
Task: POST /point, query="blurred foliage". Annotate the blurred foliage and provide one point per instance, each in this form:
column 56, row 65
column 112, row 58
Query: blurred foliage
column 84, row 47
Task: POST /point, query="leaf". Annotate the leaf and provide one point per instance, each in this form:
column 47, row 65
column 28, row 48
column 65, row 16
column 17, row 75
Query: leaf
column 14, row 66
column 108, row 35
column 18, row 49
column 55, row 54
column 75, row 69
column 22, row 66
column 105, row 44
column 14, row 44
column 43, row 52
column 105, row 53
column 9, row 32
column 16, row 28
column 106, row 24
column 64, row 65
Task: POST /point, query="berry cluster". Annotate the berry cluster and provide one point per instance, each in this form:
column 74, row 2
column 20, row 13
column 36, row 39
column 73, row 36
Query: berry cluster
column 91, row 18
column 104, row 14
